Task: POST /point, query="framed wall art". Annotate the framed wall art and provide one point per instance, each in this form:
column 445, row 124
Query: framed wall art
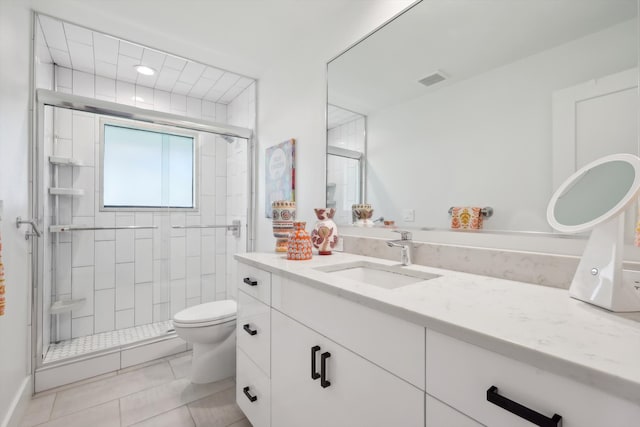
column 280, row 170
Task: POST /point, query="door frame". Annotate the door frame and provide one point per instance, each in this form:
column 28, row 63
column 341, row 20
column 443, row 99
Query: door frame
column 564, row 109
column 45, row 97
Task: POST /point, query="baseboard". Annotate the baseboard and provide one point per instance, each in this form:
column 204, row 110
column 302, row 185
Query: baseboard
column 19, row 404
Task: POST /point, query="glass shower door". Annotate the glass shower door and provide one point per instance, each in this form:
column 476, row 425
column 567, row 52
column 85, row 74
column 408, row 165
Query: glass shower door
column 204, row 238
column 141, row 223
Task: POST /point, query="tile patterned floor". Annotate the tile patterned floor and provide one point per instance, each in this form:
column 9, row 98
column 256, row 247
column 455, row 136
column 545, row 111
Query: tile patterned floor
column 104, row 340
column 154, row 394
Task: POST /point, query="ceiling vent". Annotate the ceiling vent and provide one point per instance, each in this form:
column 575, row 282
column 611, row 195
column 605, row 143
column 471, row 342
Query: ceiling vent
column 433, row 78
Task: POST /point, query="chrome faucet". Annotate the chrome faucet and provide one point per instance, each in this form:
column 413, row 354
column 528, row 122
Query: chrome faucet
column 404, row 243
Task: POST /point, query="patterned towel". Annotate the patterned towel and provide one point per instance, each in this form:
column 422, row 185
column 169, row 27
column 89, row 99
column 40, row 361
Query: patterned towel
column 466, row 218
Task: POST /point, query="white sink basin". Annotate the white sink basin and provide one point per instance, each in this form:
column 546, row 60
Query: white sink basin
column 384, row 276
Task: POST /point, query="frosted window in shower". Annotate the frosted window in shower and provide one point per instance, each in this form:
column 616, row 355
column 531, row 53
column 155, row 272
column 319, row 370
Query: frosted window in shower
column 147, row 169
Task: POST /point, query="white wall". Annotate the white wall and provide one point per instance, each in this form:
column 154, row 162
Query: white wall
column 292, row 103
column 15, row 27
column 485, row 141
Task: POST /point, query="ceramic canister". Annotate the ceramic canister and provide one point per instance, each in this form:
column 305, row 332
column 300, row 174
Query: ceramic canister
column 361, row 214
column 299, row 247
column 284, row 213
column 324, row 235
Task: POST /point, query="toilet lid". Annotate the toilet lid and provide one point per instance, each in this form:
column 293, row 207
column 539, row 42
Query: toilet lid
column 207, row 312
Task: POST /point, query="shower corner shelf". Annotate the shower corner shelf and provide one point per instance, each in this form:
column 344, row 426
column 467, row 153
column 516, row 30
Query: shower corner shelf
column 64, row 161
column 66, row 305
column 59, row 191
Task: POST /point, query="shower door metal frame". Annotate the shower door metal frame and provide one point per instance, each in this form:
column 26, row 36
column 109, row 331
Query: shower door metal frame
column 44, row 97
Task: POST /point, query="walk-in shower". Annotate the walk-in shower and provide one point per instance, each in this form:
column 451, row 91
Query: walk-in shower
column 141, row 204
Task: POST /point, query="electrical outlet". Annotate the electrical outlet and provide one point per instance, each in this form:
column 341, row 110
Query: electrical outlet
column 408, row 215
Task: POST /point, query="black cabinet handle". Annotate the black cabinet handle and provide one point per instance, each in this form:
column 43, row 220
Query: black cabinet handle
column 522, row 411
column 314, row 350
column 250, row 282
column 323, row 369
column 246, row 393
column 248, row 330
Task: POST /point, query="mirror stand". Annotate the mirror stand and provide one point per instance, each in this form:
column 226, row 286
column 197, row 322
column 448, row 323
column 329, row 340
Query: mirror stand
column 600, row 278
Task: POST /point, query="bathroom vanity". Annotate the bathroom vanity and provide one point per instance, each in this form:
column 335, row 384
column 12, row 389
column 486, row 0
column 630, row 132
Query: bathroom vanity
column 348, row 341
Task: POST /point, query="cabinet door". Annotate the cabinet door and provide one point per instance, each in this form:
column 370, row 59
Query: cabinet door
column 360, row 393
column 439, row 415
column 254, row 330
column 461, row 375
column 253, row 393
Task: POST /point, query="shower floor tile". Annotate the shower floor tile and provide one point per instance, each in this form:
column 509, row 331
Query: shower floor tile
column 104, row 340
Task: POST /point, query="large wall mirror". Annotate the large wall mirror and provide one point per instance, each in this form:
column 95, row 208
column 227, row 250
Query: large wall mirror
column 480, row 103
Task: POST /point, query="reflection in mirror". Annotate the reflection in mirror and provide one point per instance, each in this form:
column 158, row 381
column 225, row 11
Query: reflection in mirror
column 345, row 161
column 471, row 103
column 593, row 194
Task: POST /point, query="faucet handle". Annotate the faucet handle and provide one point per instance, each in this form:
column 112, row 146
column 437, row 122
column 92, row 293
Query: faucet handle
column 404, row 235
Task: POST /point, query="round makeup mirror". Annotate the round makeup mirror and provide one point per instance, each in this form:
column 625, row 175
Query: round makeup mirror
column 595, row 193
column 595, row 198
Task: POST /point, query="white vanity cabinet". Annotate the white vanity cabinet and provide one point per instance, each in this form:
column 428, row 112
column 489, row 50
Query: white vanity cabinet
column 367, row 366
column 308, row 356
column 462, row 376
column 253, row 345
column 318, row 383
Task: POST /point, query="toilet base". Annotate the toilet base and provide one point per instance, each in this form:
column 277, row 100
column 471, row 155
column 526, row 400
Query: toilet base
column 213, row 362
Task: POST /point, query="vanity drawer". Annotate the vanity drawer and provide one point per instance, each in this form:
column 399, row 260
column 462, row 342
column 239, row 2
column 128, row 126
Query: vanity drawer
column 253, row 391
column 255, row 282
column 461, row 374
column 254, row 330
column 392, row 343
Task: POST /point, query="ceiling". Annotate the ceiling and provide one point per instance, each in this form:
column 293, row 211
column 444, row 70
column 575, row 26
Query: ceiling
column 246, row 37
column 462, row 38
column 78, row 48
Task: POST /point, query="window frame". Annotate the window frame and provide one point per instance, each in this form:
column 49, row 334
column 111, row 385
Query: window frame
column 137, row 125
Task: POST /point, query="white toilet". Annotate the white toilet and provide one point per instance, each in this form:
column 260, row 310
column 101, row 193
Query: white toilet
column 211, row 329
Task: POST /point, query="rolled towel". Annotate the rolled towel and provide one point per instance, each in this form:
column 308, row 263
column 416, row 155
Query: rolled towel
column 466, row 218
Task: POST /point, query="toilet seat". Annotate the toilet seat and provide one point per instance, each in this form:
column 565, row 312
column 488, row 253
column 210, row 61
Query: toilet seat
column 208, row 314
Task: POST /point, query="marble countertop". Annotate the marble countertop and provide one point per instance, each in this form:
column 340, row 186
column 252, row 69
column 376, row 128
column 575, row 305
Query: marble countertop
column 537, row 325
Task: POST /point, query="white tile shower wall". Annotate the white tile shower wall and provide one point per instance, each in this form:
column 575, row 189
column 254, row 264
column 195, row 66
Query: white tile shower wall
column 135, row 277
column 343, row 172
column 240, row 112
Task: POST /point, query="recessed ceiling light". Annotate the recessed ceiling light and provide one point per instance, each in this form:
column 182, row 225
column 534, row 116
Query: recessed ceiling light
column 143, row 69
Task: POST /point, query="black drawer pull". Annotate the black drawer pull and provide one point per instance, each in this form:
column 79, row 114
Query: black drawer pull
column 323, row 369
column 314, row 350
column 250, row 282
column 248, row 329
column 522, row 411
column 246, row 393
